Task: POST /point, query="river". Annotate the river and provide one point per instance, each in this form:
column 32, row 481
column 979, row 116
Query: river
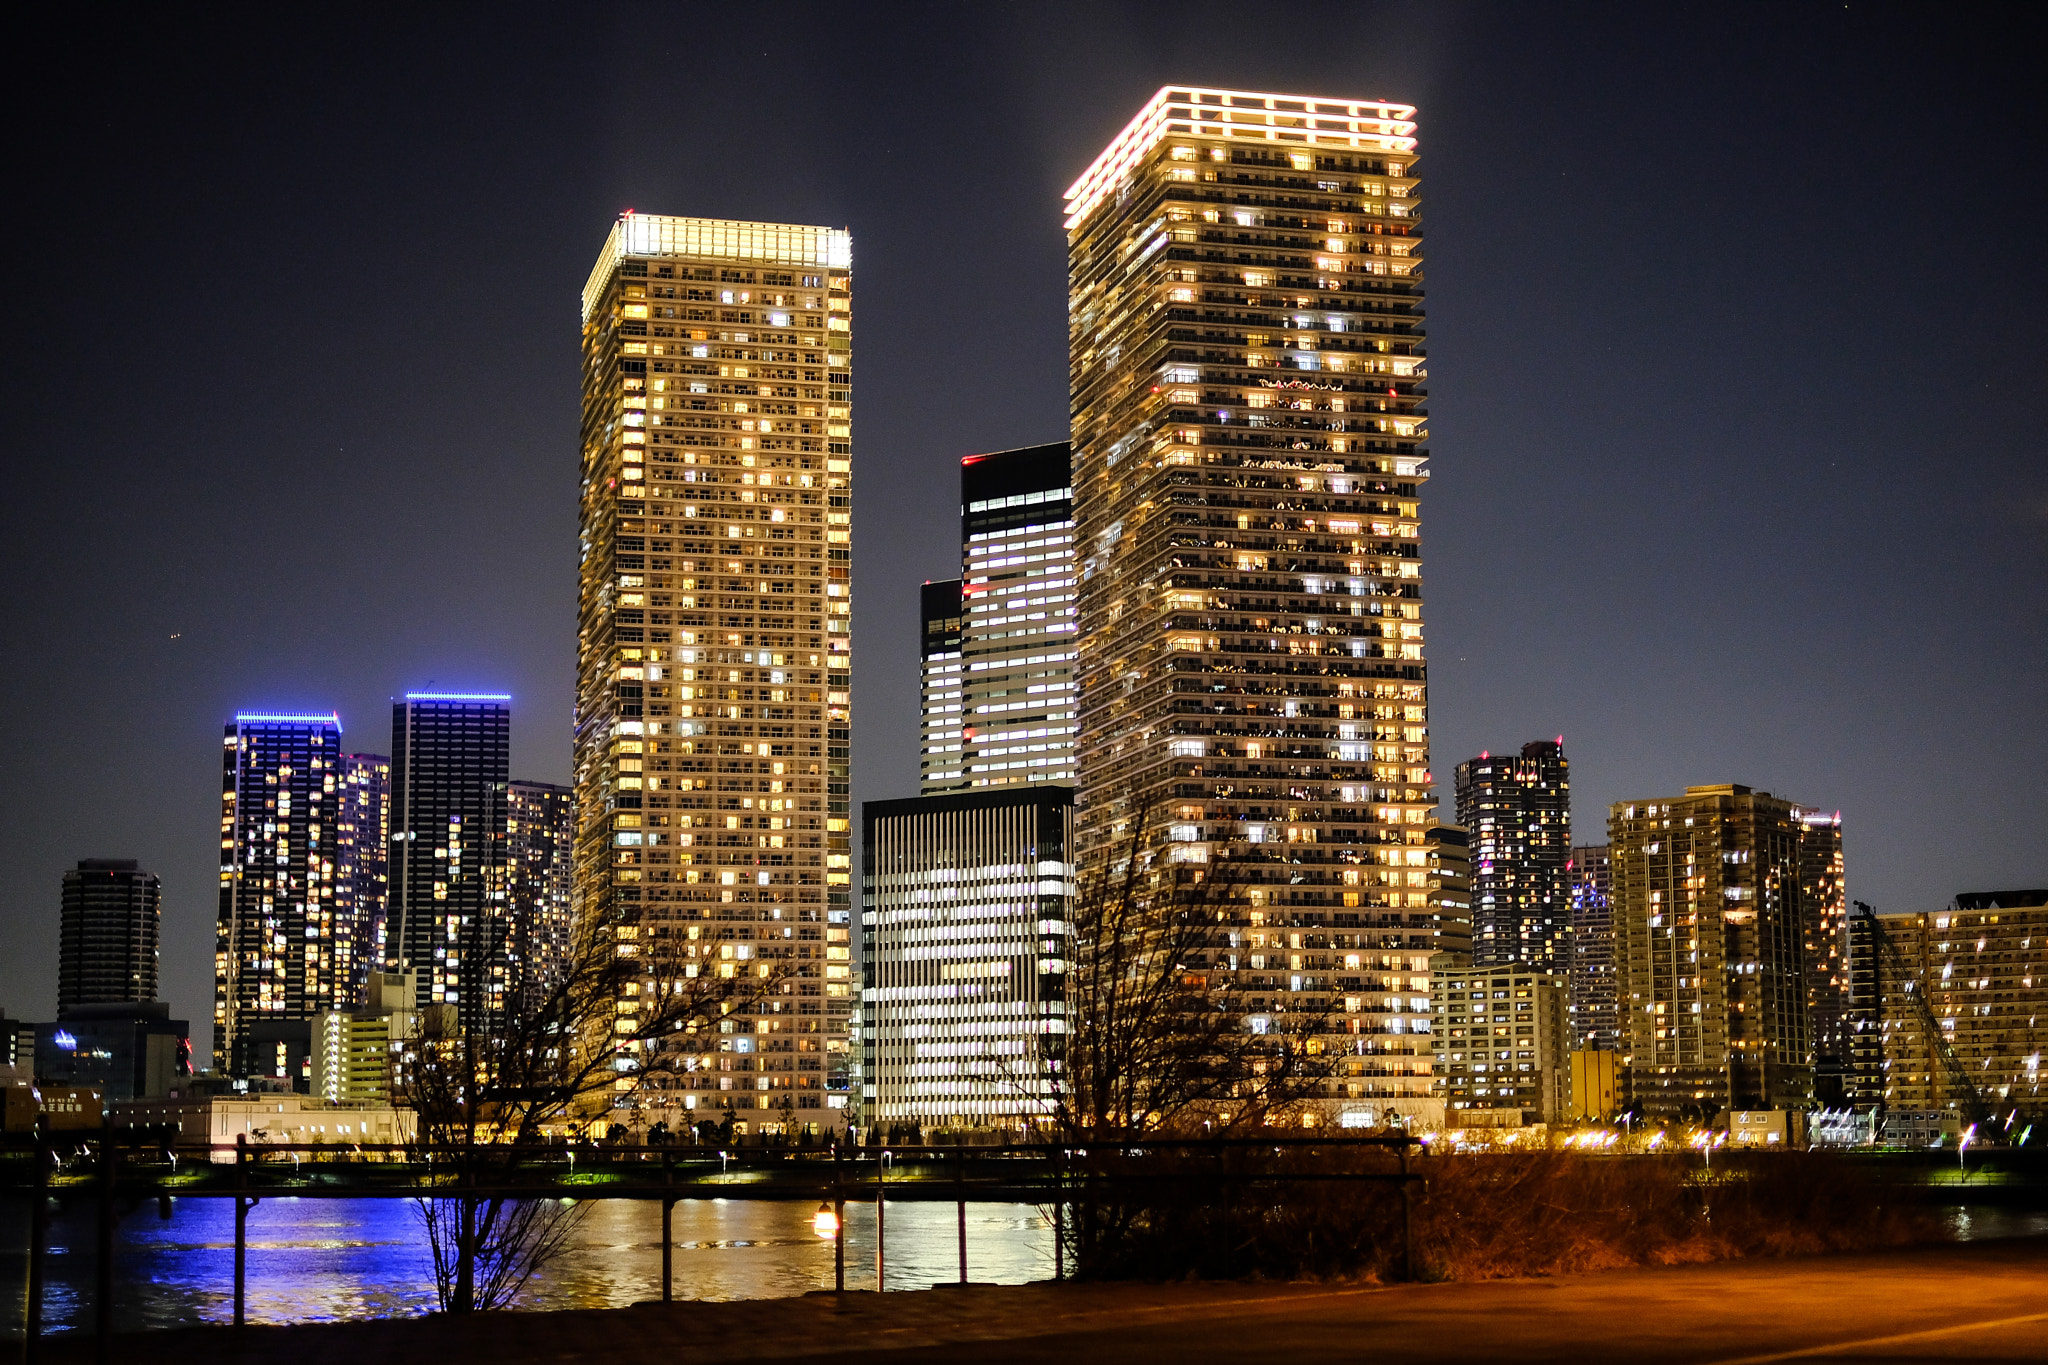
column 324, row 1260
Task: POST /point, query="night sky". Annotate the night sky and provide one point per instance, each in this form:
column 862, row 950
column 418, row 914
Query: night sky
column 1736, row 366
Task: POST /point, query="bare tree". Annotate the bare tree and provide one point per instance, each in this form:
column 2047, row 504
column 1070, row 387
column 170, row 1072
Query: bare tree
column 547, row 1054
column 1162, row 1047
column 1160, row 1040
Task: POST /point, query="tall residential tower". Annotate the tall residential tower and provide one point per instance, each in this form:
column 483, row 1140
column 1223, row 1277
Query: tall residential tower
column 107, row 934
column 1709, row 951
column 714, row 650
column 1519, row 810
column 448, row 927
column 281, row 949
column 1245, row 360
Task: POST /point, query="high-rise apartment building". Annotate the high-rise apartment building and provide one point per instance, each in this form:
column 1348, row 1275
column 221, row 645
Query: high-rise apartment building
column 1502, row 1042
column 362, row 866
column 1596, row 1012
column 107, row 929
column 966, row 935
column 1710, row 952
column 942, row 675
column 448, row 926
column 1824, row 929
column 1518, row 808
column 714, row 643
column 1980, row 965
column 1017, row 616
column 281, row 947
column 538, row 868
column 1246, row 358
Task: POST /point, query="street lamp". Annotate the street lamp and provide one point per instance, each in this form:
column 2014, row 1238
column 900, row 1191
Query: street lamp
column 825, row 1222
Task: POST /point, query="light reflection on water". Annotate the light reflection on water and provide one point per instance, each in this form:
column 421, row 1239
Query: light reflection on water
column 315, row 1260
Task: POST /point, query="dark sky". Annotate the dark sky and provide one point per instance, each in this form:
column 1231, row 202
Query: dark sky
column 1736, row 339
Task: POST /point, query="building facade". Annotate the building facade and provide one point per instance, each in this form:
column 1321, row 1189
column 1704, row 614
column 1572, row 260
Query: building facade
column 107, row 927
column 126, row 1050
column 1017, row 616
column 966, row 935
column 941, row 685
column 362, row 864
column 449, row 929
column 1246, row 363
column 1502, row 1041
column 1450, row 864
column 1518, row 808
column 1596, row 1010
column 539, row 870
column 281, row 950
column 1710, row 953
column 714, row 655
column 1824, row 912
column 1981, row 966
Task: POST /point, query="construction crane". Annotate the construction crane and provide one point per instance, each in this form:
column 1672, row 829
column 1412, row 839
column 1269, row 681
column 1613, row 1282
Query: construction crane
column 1914, row 987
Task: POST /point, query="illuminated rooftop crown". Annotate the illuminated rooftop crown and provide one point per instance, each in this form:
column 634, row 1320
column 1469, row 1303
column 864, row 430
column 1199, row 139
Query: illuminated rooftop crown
column 652, row 234
column 1363, row 125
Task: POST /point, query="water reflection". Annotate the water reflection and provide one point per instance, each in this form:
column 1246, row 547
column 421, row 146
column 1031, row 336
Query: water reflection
column 318, row 1260
column 313, row 1260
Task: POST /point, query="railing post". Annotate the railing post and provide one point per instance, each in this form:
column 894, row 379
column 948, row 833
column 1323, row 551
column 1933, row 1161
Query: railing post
column 668, row 1204
column 103, row 1268
column 839, row 1218
column 960, row 1181
column 881, row 1182
column 38, row 1249
column 241, row 1227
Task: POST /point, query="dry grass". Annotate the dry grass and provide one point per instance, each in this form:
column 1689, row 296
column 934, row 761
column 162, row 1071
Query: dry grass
column 1478, row 1216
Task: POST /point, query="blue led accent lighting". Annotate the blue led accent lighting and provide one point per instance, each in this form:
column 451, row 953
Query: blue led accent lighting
column 278, row 718
column 458, row 696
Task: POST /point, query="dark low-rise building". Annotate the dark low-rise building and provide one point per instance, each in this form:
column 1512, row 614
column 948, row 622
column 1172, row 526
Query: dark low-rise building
column 126, row 1051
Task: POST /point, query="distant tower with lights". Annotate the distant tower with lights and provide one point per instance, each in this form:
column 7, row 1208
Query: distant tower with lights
column 283, row 948
column 1518, row 808
column 1710, row 951
column 448, row 926
column 941, row 674
column 1245, row 353
column 713, row 720
column 107, row 934
column 1000, row 685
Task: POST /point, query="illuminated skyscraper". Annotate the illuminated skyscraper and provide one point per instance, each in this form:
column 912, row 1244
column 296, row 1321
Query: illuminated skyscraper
column 1246, row 359
column 1709, row 951
column 1519, row 810
column 941, row 673
column 714, row 650
column 448, row 928
column 539, row 871
column 1824, row 913
column 107, row 934
column 281, row 950
column 1017, row 596
column 999, row 642
column 362, row 865
column 1596, row 1012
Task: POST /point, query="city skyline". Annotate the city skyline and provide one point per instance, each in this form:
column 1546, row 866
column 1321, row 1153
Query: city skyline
column 501, row 604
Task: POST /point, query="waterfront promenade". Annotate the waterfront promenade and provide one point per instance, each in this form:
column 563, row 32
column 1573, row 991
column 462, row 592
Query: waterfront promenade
column 1979, row 1302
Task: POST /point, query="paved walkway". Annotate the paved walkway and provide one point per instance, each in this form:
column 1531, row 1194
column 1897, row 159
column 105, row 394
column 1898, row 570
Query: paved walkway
column 1985, row 1302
